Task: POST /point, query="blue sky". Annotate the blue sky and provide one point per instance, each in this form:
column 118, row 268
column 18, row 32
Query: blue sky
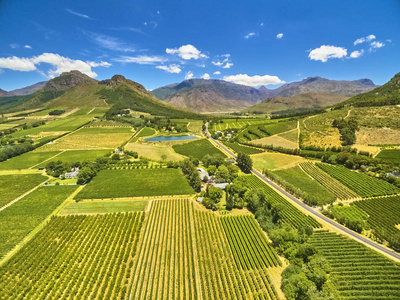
column 161, row 42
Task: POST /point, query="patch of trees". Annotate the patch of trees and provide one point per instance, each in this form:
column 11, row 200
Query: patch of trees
column 191, row 174
column 298, row 113
column 211, row 197
column 15, row 150
column 244, row 162
column 347, row 129
column 56, row 112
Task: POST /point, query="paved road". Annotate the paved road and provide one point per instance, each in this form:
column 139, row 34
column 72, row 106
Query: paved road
column 320, row 217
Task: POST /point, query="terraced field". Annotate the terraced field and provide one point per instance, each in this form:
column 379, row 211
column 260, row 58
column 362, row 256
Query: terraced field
column 358, row 272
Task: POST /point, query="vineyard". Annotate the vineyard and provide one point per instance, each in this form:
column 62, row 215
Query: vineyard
column 237, row 123
column 12, row 186
column 358, row 272
column 341, row 191
column 384, row 215
column 79, row 155
column 164, row 267
column 84, row 257
column 392, row 155
column 17, row 220
column 249, row 245
column 362, row 184
column 238, row 148
column 290, row 214
column 220, row 278
column 26, row 160
column 198, row 149
column 146, row 131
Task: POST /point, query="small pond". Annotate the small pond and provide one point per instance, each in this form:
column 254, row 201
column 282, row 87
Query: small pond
column 170, row 138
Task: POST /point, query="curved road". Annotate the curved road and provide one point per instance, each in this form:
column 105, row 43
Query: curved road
column 317, row 215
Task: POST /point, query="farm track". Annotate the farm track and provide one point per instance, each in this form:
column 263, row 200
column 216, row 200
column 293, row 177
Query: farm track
column 321, row 218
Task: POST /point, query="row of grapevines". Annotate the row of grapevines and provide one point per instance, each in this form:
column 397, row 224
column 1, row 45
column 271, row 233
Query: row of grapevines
column 238, row 148
column 362, row 184
column 164, row 265
column 290, row 214
column 249, row 245
column 87, row 257
column 220, row 277
column 341, row 191
column 357, row 271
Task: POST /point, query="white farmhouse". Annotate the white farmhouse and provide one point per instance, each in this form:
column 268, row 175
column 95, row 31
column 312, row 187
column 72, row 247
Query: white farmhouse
column 72, row 174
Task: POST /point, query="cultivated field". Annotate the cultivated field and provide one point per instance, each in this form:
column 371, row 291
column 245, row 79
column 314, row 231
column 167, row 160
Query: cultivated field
column 102, row 207
column 17, row 220
column 146, row 131
column 358, row 272
column 276, row 141
column 79, row 155
column 88, row 257
column 392, row 155
column 238, row 148
column 290, row 214
column 362, row 184
column 341, row 191
column 155, row 151
column 136, row 183
column 198, row 149
column 26, row 160
column 272, row 161
column 238, row 123
column 13, row 186
column 377, row 136
column 91, row 138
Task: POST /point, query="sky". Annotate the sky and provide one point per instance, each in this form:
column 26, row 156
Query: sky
column 157, row 43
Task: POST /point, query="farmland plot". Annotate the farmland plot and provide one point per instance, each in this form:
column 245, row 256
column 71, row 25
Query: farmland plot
column 88, row 257
column 26, row 160
column 198, row 149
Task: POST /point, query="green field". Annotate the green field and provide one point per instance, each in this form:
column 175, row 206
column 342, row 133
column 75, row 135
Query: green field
column 76, row 256
column 313, row 192
column 357, row 271
column 280, row 127
column 239, row 123
column 271, row 161
column 17, row 220
column 392, row 155
column 13, row 186
column 102, row 207
column 146, row 131
column 362, row 184
column 238, row 148
column 26, row 160
column 78, row 155
column 136, row 183
column 197, row 149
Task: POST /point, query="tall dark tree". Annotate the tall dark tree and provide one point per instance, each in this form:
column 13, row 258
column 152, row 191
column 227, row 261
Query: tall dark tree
column 244, row 162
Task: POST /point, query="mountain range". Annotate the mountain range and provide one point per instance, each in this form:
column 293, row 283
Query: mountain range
column 23, row 91
column 222, row 96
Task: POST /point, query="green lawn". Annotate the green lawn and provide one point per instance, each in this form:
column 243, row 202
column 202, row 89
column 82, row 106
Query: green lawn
column 26, row 160
column 79, row 155
column 17, row 220
column 197, row 149
column 136, row 183
column 314, row 190
column 13, row 186
column 99, row 207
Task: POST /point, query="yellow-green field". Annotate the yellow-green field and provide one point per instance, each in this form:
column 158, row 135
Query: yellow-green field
column 273, row 161
column 276, row 141
column 154, row 151
column 103, row 206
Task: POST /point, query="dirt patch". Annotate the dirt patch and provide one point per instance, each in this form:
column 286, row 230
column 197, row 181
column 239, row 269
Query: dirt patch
column 374, row 136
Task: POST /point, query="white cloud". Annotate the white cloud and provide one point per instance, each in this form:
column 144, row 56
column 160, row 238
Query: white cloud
column 205, row 76
column 253, row 80
column 78, row 14
column 60, row 64
column 262, row 24
column 217, row 73
column 217, row 63
column 189, row 75
column 279, row 36
column 364, row 39
column 109, row 42
column 377, row 44
column 141, row 59
column 326, row 52
column 187, row 52
column 170, row 69
column 14, row 46
column 227, row 65
column 356, row 54
column 28, row 46
column 247, row 36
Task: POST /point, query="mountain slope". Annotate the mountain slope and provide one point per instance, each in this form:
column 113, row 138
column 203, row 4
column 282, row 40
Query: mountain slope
column 218, row 95
column 387, row 94
column 23, row 91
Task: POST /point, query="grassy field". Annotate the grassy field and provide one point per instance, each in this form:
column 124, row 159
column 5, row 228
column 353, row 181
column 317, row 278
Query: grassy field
column 17, row 220
column 88, row 257
column 276, row 141
column 13, row 186
column 45, row 112
column 279, row 127
column 273, row 161
column 296, row 177
column 136, row 183
column 91, row 138
column 26, row 160
column 292, row 135
column 146, row 131
column 79, row 155
column 197, row 149
column 239, row 123
column 238, row 148
column 392, row 155
column 154, row 151
column 102, row 207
